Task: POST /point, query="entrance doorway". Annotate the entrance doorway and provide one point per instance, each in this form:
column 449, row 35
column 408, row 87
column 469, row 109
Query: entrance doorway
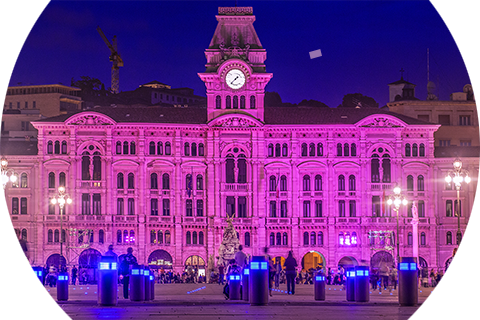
column 160, row 259
column 381, row 258
column 55, row 261
column 312, row 260
column 347, row 262
column 197, row 262
column 87, row 266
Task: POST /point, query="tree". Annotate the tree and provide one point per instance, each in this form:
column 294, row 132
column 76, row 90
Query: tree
column 353, row 100
column 272, row 99
column 89, row 86
column 312, row 103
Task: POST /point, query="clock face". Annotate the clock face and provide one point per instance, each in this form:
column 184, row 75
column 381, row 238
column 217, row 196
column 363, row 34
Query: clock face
column 235, row 79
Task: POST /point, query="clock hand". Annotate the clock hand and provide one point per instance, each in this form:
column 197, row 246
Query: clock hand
column 234, row 80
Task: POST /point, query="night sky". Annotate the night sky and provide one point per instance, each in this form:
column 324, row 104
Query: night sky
column 364, row 45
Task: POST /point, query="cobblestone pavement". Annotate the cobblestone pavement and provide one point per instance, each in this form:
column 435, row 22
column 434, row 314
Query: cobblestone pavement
column 173, row 302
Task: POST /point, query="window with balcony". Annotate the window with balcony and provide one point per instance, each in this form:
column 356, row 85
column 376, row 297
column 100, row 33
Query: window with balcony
column 420, row 183
column 242, row 207
column 449, row 237
column 131, row 181
column 199, row 208
column 318, row 183
column 409, row 183
column 272, row 185
column 131, row 206
column 153, row 181
column 318, row 208
column 449, row 208
column 120, row 206
column 352, row 185
column 283, row 209
column 283, row 183
column 166, row 207
column 341, row 182
column 341, row 208
column 154, row 207
column 97, row 204
column 375, row 169
column 51, row 180
column 189, row 208
column 352, row 208
column 306, row 183
column 306, row 209
column 273, row 209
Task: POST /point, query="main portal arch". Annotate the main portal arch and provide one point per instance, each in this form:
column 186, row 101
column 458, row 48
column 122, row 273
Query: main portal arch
column 313, row 259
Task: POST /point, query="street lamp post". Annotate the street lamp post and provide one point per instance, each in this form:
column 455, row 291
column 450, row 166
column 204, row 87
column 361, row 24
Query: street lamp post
column 397, row 199
column 6, row 175
column 458, row 176
column 61, row 198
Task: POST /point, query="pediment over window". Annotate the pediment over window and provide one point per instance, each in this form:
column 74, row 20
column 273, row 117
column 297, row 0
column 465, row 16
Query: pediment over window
column 381, row 121
column 90, row 118
column 235, row 121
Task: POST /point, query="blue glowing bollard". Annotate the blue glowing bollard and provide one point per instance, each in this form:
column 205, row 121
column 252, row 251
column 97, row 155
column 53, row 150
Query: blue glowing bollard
column 362, row 290
column 407, row 281
column 148, row 288
column 245, row 284
column 21, row 282
column 319, row 286
column 62, row 286
column 471, row 285
column 152, row 286
column 137, row 284
column 36, row 284
column 258, row 282
column 350, row 284
column 107, row 281
column 234, row 286
column 457, row 286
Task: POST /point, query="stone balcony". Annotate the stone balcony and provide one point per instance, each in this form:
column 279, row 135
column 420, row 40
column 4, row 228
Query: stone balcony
column 278, row 221
column 242, row 187
column 313, row 221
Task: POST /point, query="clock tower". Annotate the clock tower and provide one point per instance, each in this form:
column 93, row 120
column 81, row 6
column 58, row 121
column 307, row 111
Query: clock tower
column 235, row 76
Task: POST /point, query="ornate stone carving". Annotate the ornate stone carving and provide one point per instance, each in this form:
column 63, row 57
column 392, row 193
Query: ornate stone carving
column 382, row 122
column 89, row 119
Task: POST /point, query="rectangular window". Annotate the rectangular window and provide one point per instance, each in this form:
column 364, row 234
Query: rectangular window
column 444, row 143
column 120, row 206
column 352, row 208
column 464, row 120
column 283, row 209
column 166, row 207
column 51, row 207
column 306, row 209
column 465, row 143
column 10, row 105
column 14, row 205
column 449, row 208
column 444, row 119
column 34, row 106
column 24, row 125
column 242, row 207
column 97, row 203
column 189, row 208
column 131, row 206
column 86, row 209
column 376, row 206
column 230, row 206
column 318, row 208
column 154, row 207
column 273, row 209
column 18, row 105
column 26, row 104
column 200, row 208
column 341, row 208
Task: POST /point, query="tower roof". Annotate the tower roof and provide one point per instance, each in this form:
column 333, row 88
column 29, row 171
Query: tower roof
column 401, row 81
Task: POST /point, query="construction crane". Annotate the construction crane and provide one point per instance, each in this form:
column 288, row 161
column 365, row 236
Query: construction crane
column 117, row 61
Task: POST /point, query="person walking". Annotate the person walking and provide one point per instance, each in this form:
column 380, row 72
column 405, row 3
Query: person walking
column 110, row 253
column 278, row 269
column 221, row 269
column 232, row 268
column 394, row 275
column 74, row 275
column 271, row 270
column 290, row 265
column 129, row 261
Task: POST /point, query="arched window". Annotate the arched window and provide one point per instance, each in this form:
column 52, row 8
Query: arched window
column 189, row 237
column 352, row 207
column 423, row 239
column 306, row 209
column 168, row 148
column 346, row 150
column 218, row 102
column 242, row 168
column 410, row 239
column 64, row 147
column 24, row 235
column 284, row 150
column 306, row 182
column 120, row 206
column 165, row 181
column 449, row 237
column 189, row 208
column 247, row 239
column 422, row 150
column 283, row 183
column 200, row 237
column 50, row 236
column 132, row 148
column 386, row 168
column 341, row 182
column 421, row 209
column 272, row 239
column 201, row 150
column 285, row 239
column 313, row 239
column 410, row 183
column 320, row 238
column 131, row 181
column 252, row 102
column 277, row 150
column 353, row 149
column 167, row 237
column 56, row 236
column 153, row 237
column 318, row 182
column 235, row 102
column 351, row 183
column 160, row 148
column 153, row 181
column 194, row 149
column 50, row 147
column 61, row 179
column 420, row 183
column 187, row 149
column 101, row 236
column 415, row 150
column 319, row 149
column 119, row 236
column 199, row 208
column 279, row 239
column 318, row 208
column 273, row 209
column 160, row 237
column 305, row 238
column 23, row 181
column 272, row 186
column 242, row 102
column 270, row 150
column 339, row 149
column 375, row 168
column 57, row 147
column 118, row 149
column 125, row 147
column 341, row 239
column 120, row 180
column 304, row 150
column 151, row 148
column 199, row 182
column 194, row 237
column 311, row 150
column 354, row 239
column 408, row 150
column 228, row 102
column 51, row 180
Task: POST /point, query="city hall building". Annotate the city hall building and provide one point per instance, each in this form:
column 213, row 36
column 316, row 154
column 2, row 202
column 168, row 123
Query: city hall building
column 164, row 180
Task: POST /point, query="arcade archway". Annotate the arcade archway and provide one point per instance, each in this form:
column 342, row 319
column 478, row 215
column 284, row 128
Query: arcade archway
column 348, row 262
column 87, row 266
column 279, row 259
column 56, row 261
column 196, row 262
column 381, row 258
column 312, row 260
column 160, row 259
column 423, row 266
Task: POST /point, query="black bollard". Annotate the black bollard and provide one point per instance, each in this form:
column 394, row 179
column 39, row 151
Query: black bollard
column 148, row 290
column 457, row 286
column 245, row 284
column 350, row 286
column 234, row 286
column 36, row 284
column 22, row 282
column 407, row 282
column 362, row 290
column 471, row 285
column 62, row 286
column 319, row 286
column 152, row 287
column 258, row 282
column 107, row 281
column 137, row 284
